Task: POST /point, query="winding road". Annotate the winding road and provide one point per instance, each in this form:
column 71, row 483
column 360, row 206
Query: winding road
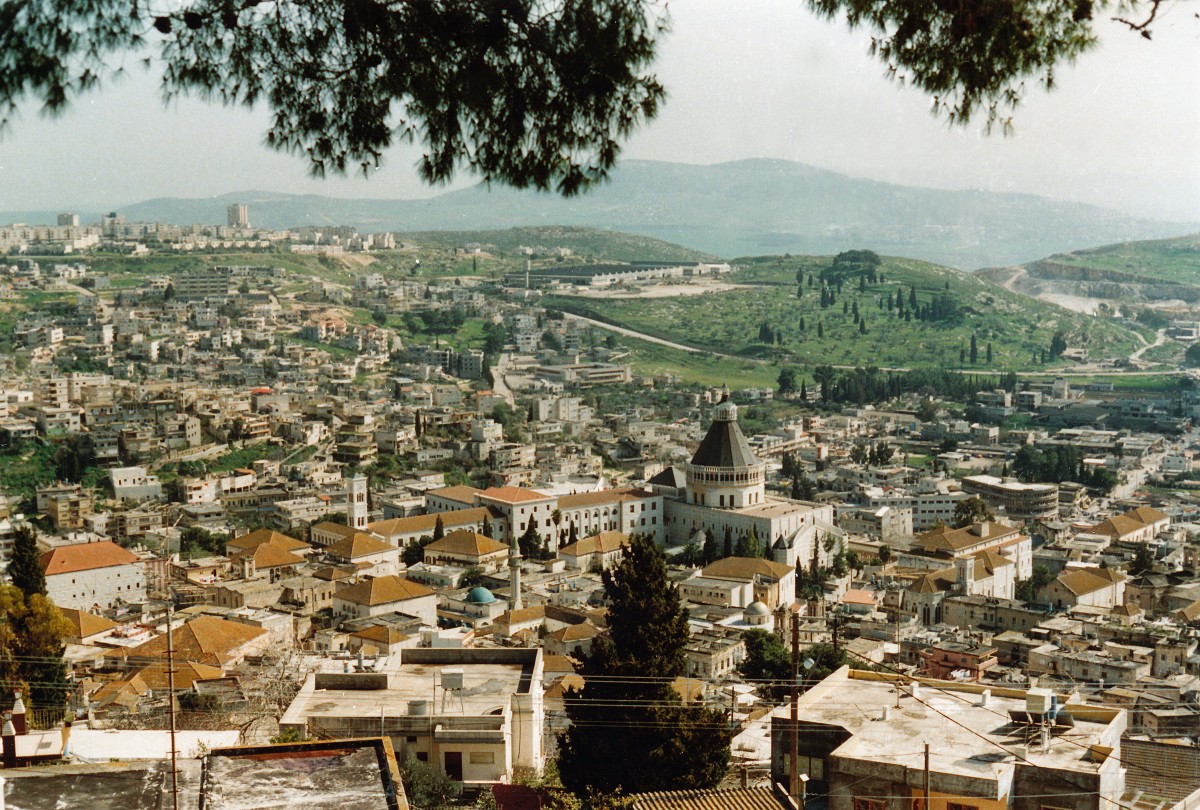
column 621, row 330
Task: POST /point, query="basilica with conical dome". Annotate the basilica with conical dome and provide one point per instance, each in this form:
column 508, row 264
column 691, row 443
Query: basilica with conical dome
column 724, row 495
column 724, row 472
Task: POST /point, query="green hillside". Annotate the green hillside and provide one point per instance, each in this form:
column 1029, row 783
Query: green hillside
column 586, row 242
column 954, row 305
column 1174, row 260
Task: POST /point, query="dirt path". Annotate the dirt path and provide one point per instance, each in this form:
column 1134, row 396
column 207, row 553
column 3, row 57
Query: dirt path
column 1159, row 340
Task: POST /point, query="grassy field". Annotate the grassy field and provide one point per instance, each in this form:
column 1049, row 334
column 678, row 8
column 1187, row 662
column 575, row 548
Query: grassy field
column 1017, row 327
column 652, row 359
column 25, row 468
column 243, row 457
column 1169, row 259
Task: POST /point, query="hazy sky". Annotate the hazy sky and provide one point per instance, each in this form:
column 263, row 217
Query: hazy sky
column 761, row 79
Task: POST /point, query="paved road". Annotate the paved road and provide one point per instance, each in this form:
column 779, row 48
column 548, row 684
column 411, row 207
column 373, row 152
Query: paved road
column 621, row 330
column 500, row 385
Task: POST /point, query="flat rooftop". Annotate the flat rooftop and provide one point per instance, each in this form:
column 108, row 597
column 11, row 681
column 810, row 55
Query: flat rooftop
column 488, row 684
column 948, row 716
column 773, row 509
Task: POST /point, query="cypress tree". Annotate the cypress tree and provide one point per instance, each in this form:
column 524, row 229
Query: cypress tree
column 629, row 728
column 24, row 569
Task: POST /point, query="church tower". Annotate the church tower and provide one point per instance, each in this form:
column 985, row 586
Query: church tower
column 356, row 502
column 724, row 473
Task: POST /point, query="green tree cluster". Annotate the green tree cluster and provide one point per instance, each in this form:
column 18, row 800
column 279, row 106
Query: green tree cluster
column 864, row 385
column 32, row 630
column 1058, row 463
column 1027, row 589
column 971, row 510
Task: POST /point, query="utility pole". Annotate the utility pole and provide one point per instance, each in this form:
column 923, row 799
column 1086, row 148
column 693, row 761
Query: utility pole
column 926, row 807
column 794, row 750
column 171, row 707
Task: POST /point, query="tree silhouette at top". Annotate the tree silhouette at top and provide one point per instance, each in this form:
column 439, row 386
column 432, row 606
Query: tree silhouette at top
column 531, row 94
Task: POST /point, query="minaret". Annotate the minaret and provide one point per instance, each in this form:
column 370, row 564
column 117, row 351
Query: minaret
column 514, row 574
column 356, row 502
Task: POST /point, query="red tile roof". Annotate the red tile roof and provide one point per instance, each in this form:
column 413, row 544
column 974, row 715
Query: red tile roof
column 514, row 495
column 85, row 557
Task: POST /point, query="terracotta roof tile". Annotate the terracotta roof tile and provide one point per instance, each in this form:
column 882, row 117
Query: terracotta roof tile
column 759, row 798
column 204, row 640
column 358, row 544
column 604, row 496
column 467, row 542
column 1083, row 581
column 268, row 555
column 423, row 524
column 514, row 495
column 382, row 591
column 84, row 624
column 601, row 543
column 85, row 557
column 258, row 537
column 746, row 568
column 461, row 494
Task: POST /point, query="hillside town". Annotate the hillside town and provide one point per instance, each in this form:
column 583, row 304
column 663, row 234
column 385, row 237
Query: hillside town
column 278, row 507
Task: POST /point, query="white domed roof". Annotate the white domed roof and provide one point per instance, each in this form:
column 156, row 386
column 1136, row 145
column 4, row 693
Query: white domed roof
column 757, row 609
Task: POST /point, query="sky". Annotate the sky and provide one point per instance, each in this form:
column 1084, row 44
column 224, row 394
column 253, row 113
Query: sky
column 744, row 80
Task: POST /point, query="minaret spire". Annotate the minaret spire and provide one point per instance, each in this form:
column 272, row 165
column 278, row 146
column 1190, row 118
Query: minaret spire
column 514, row 573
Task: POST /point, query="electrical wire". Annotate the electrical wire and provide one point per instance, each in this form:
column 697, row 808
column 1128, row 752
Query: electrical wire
column 962, row 698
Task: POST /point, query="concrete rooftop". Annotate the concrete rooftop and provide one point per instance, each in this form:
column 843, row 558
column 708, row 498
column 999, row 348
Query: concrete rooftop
column 967, row 740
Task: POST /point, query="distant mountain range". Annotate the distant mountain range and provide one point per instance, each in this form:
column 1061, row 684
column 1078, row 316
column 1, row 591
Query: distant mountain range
column 744, row 208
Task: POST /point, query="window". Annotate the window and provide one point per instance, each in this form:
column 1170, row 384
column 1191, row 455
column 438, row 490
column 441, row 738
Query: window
column 482, row 758
column 422, row 756
column 953, row 806
column 870, row 804
column 410, row 739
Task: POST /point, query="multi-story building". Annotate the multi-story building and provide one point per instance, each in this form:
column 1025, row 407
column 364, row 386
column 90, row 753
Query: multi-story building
column 993, row 748
column 714, row 652
column 887, row 524
column 479, row 718
column 1020, row 501
column 93, row 576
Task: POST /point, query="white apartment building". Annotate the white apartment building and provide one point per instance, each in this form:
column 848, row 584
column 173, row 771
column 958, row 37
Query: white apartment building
column 93, row 576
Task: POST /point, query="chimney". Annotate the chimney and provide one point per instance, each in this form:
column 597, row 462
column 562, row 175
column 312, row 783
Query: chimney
column 916, row 690
column 886, row 714
column 985, row 699
column 8, row 737
column 18, row 714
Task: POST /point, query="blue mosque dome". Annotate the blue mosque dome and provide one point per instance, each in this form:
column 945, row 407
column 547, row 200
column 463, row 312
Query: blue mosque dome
column 480, row 595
